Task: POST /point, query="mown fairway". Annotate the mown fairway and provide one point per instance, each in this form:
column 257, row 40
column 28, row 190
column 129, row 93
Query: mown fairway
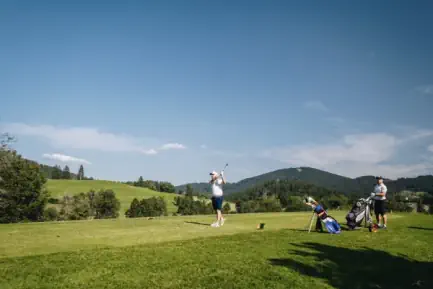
column 125, row 193
column 184, row 252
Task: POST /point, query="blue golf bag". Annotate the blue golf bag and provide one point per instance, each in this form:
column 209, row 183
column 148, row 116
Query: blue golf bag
column 331, row 224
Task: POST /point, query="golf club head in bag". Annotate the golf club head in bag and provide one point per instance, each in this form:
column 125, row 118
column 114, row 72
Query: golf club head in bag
column 308, row 199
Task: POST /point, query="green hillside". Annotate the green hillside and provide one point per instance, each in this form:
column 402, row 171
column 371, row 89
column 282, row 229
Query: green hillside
column 309, row 175
column 124, row 193
column 319, row 178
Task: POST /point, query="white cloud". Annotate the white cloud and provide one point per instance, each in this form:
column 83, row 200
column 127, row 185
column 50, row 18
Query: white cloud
column 87, row 138
column 149, row 152
column 430, row 148
column 65, row 158
column 353, row 155
column 367, row 148
column 316, row 105
column 418, row 134
column 172, row 146
column 389, row 171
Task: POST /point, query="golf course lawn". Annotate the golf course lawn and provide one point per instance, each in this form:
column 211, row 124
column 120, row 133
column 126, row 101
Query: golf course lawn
column 185, row 252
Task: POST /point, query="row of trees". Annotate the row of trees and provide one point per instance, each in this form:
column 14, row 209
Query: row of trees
column 98, row 205
column 57, row 173
column 157, row 206
column 287, row 195
column 163, row 187
column 152, row 207
column 409, row 201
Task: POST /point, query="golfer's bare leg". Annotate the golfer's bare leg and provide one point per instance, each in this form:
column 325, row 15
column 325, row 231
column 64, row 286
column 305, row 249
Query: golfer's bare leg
column 384, row 219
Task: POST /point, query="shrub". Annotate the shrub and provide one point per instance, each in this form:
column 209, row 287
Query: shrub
column 53, row 200
column 51, row 214
column 151, row 207
column 226, row 208
column 101, row 205
column 269, row 205
column 106, row 205
column 188, row 206
column 75, row 207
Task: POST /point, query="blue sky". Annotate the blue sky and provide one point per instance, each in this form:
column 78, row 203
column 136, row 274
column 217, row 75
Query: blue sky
column 171, row 90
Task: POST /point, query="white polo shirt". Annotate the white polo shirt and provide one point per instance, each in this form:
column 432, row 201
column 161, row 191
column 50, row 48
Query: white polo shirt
column 217, row 188
column 380, row 189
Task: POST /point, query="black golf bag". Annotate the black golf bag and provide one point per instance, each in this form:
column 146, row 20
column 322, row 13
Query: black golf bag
column 361, row 211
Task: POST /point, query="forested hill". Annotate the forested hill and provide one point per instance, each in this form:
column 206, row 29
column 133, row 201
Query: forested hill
column 319, row 178
column 57, row 172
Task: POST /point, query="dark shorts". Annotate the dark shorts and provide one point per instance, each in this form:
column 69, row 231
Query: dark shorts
column 379, row 207
column 217, row 203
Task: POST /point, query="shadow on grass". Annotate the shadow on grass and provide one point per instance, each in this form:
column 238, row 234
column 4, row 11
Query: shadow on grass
column 345, row 268
column 197, row 223
column 421, row 228
column 320, row 232
column 306, row 231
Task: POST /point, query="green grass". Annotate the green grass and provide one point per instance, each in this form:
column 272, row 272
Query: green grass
column 125, row 193
column 184, row 252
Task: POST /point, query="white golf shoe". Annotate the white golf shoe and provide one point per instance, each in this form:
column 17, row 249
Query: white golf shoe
column 215, row 225
column 222, row 221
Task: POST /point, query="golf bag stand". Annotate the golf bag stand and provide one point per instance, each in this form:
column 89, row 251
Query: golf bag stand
column 318, row 223
column 330, row 223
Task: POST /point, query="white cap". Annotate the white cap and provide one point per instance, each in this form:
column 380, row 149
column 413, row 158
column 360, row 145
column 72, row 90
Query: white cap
column 213, row 173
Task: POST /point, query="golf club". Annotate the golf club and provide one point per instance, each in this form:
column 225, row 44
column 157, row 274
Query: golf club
column 224, row 167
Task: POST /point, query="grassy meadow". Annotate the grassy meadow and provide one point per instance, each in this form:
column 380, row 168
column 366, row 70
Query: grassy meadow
column 125, row 193
column 185, row 252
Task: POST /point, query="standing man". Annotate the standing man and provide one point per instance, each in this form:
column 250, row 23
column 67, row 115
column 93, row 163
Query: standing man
column 217, row 182
column 379, row 195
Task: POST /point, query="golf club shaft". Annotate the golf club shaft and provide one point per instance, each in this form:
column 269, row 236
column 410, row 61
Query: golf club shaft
column 225, row 167
column 311, row 223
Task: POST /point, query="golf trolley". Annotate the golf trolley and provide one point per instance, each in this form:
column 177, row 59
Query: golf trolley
column 361, row 211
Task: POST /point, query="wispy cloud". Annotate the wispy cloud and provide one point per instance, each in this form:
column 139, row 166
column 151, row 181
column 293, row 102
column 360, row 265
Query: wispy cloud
column 418, row 134
column 315, row 105
column 203, row 146
column 425, row 89
column 65, row 158
column 367, row 148
column 430, row 148
column 173, row 146
column 353, row 155
column 88, row 138
column 149, row 152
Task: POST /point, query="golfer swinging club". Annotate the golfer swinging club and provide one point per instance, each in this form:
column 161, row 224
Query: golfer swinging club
column 217, row 182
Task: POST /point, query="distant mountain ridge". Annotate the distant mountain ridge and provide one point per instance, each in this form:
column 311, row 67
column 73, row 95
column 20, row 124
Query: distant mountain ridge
column 320, row 178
